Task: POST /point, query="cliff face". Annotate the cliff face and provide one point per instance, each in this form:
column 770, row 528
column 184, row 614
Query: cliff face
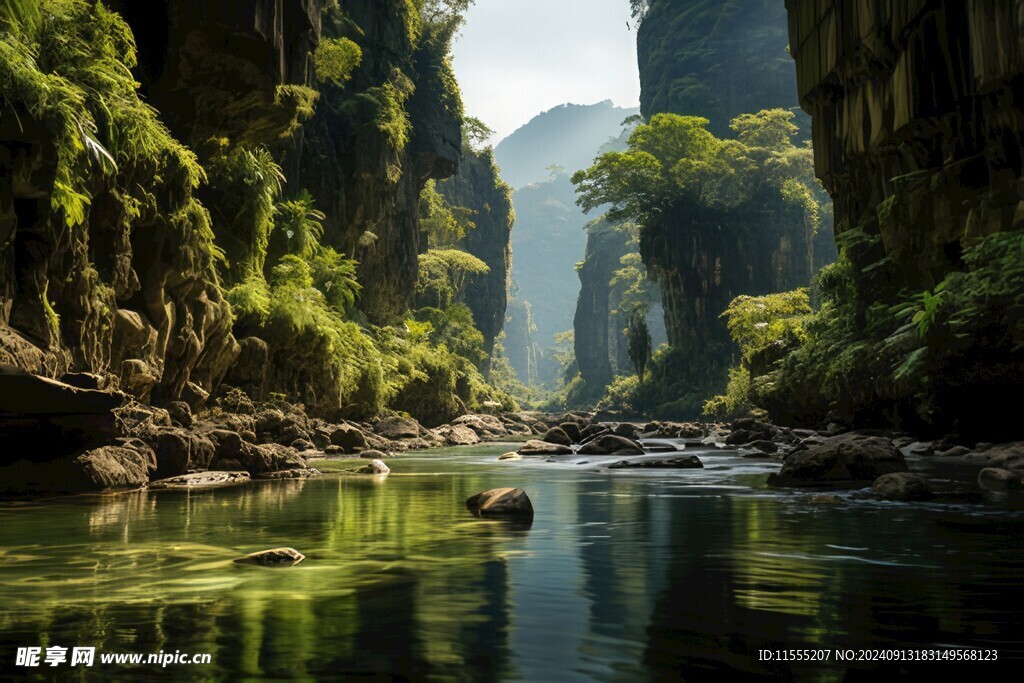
column 594, row 324
column 767, row 248
column 918, row 131
column 370, row 148
column 113, row 234
column 714, row 58
column 478, row 187
column 106, row 257
column 917, row 127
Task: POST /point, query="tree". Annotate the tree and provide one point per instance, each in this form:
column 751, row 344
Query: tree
column 639, row 342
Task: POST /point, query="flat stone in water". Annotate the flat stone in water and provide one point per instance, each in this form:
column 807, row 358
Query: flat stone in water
column 200, row 480
column 686, row 462
column 275, row 557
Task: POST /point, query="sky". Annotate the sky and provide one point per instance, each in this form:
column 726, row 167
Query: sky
column 517, row 58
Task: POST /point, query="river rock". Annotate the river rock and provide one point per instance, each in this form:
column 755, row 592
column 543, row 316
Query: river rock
column 200, row 480
column 179, row 451
column 824, row 499
column 625, row 429
column 457, row 435
column 510, row 456
column 846, row 460
column 537, row 447
column 276, row 557
column 487, row 427
column 902, row 486
column 572, row 430
column 686, row 462
column 767, row 447
column 997, row 479
column 557, row 435
column 1007, row 456
column 610, row 444
column 501, row 503
column 397, row 428
column 114, row 467
column 348, row 438
column 374, row 467
column 373, row 454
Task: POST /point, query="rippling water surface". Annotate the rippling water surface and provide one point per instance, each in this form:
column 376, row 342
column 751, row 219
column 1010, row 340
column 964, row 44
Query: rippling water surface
column 623, row 575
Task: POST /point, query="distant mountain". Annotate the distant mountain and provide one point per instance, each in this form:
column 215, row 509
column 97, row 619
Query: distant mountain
column 568, row 136
column 548, row 239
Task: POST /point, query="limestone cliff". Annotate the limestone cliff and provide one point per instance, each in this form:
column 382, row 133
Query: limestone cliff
column 917, row 127
column 107, row 261
column 479, row 188
column 373, row 144
column 714, row 58
column 918, row 134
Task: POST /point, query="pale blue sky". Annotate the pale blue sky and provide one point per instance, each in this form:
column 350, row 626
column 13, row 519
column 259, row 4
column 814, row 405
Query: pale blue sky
column 517, row 58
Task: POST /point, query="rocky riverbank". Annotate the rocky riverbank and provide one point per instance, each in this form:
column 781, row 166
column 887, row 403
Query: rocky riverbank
column 72, row 436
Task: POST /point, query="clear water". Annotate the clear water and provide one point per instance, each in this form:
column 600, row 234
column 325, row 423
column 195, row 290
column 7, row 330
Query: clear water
column 623, row 575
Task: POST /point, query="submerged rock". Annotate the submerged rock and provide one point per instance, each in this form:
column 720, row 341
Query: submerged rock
column 610, row 444
column 902, row 486
column 200, row 480
column 536, row 447
column 275, row 557
column 685, row 462
column 500, row 503
column 845, row 461
column 997, row 479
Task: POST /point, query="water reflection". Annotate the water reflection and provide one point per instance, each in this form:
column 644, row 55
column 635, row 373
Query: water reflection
column 672, row 576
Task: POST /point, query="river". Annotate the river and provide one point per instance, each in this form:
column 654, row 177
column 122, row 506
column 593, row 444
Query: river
column 623, row 575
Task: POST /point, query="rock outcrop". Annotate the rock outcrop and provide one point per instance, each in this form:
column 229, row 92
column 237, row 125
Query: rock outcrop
column 478, row 186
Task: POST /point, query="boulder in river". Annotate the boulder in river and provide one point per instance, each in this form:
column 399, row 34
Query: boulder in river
column 557, row 435
column 685, row 462
column 902, row 486
column 610, row 444
column 997, row 479
column 457, row 435
column 536, row 447
column 275, row 557
column 374, row 467
column 510, row 456
column 847, row 460
column 505, row 502
column 572, row 430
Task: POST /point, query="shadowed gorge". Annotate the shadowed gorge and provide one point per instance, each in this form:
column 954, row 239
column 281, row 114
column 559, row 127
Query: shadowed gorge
column 588, row 340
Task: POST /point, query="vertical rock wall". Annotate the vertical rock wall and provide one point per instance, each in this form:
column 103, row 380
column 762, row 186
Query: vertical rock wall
column 479, row 187
column 918, row 127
